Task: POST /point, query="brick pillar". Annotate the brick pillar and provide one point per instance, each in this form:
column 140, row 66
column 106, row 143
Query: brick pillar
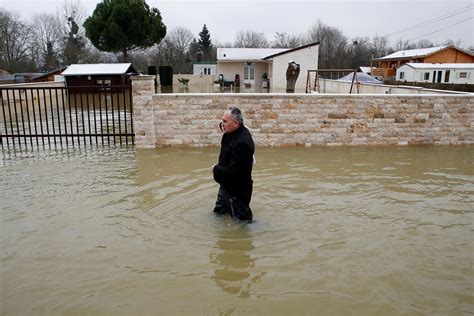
column 143, row 89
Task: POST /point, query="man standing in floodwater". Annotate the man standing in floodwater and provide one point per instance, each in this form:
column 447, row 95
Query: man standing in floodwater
column 234, row 170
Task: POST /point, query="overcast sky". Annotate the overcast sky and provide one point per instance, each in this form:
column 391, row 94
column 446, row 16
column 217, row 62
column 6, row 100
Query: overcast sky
column 446, row 20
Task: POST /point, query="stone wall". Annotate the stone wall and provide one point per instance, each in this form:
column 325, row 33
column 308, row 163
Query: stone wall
column 304, row 119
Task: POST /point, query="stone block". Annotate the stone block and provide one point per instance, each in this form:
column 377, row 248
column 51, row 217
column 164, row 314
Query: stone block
column 338, row 116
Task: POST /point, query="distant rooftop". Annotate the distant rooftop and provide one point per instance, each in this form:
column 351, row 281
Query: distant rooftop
column 412, row 53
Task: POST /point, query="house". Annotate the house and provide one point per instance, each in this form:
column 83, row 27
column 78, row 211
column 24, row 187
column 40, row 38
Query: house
column 459, row 73
column 442, row 54
column 91, row 75
column 205, row 68
column 259, row 67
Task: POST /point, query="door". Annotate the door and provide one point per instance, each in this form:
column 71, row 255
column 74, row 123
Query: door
column 249, row 74
column 446, row 76
column 440, row 73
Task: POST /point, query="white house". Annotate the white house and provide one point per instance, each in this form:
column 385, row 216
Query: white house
column 436, row 73
column 256, row 67
column 204, row 68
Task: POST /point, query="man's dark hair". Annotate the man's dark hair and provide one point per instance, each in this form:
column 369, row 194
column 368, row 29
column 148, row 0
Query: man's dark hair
column 236, row 114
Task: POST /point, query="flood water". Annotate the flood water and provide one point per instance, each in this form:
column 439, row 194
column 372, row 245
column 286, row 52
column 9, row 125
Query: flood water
column 337, row 231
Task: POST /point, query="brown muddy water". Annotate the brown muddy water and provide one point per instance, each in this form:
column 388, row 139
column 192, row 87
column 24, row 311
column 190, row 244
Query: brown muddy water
column 337, row 231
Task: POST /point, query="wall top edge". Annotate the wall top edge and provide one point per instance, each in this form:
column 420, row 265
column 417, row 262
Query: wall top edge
column 326, row 95
column 143, row 77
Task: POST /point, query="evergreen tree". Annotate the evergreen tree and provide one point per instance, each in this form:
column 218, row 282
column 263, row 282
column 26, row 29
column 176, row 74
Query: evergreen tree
column 124, row 25
column 50, row 61
column 195, row 51
column 205, row 44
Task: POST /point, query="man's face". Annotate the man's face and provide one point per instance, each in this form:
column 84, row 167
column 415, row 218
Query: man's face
column 228, row 123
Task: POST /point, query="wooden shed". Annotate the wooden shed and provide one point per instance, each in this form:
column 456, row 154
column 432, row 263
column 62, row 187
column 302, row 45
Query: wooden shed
column 98, row 75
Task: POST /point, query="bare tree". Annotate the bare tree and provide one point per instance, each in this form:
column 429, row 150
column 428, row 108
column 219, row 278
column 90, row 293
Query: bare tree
column 380, row 46
column 46, row 40
column 74, row 43
column 224, row 45
column 403, row 45
column 15, row 43
column 250, row 39
column 182, row 37
column 333, row 45
column 285, row 40
column 174, row 50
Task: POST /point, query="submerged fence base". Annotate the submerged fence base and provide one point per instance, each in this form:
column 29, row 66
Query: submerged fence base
column 58, row 117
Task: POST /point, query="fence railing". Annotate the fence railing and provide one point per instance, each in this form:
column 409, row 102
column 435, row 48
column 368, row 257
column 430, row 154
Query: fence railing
column 66, row 117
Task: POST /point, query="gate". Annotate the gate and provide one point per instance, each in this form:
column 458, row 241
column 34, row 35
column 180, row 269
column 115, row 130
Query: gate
column 66, row 117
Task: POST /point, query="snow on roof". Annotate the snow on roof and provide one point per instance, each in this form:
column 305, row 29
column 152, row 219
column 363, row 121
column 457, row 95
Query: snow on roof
column 439, row 66
column 96, row 69
column 365, row 69
column 246, row 54
column 413, row 53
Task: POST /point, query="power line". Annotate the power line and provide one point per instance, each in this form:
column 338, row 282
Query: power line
column 433, row 20
column 441, row 29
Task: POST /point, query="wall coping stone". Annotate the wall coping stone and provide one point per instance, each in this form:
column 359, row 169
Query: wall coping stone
column 143, row 77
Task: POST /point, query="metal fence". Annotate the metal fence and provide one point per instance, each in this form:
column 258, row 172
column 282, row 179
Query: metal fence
column 33, row 118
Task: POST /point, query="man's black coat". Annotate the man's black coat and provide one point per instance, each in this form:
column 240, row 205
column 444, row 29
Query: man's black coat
column 234, row 170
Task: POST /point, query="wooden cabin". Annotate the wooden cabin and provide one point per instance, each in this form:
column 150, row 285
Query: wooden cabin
column 388, row 65
column 98, row 75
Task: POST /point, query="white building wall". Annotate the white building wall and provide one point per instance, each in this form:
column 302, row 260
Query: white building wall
column 408, row 74
column 307, row 58
column 418, row 74
column 230, row 69
column 205, row 69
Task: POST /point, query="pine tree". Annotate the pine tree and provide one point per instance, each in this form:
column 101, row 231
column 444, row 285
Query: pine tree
column 205, row 44
column 124, row 25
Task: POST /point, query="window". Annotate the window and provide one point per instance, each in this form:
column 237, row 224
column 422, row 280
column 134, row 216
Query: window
column 402, row 75
column 463, row 75
column 249, row 71
column 209, row 71
column 104, row 83
column 205, row 71
column 426, row 76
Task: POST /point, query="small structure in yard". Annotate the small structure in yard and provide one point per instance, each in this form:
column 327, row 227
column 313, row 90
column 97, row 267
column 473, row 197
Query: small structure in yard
column 99, row 75
column 53, row 75
column 436, row 73
column 205, row 68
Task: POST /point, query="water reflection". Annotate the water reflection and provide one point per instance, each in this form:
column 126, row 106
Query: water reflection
column 233, row 261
